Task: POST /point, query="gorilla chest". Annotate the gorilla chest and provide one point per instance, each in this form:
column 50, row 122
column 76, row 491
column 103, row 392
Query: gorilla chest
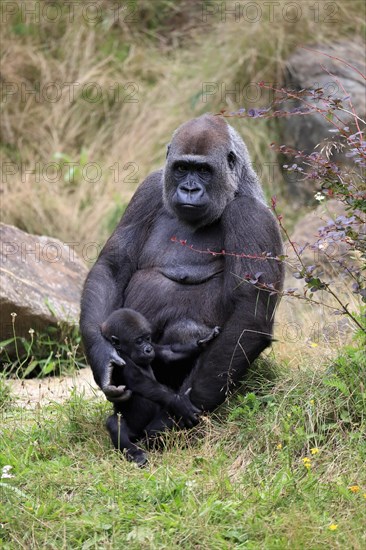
column 182, row 255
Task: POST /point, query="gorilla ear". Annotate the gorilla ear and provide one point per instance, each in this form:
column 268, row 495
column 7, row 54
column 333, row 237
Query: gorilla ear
column 167, row 150
column 231, row 158
column 115, row 340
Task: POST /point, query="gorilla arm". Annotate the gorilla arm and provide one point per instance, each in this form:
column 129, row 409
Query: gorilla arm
column 251, row 229
column 108, row 279
column 169, row 353
column 141, row 380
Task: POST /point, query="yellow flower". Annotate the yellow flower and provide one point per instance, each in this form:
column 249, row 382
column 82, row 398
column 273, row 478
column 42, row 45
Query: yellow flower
column 354, row 488
column 279, row 446
column 313, row 345
column 312, row 401
column 333, row 527
column 364, row 495
column 307, row 462
column 314, row 450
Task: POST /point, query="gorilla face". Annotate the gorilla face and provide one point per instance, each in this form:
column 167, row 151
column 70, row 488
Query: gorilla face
column 130, row 334
column 138, row 348
column 200, row 174
column 190, row 198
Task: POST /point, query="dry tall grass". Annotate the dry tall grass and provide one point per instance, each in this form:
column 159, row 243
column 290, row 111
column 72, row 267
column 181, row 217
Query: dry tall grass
column 167, row 81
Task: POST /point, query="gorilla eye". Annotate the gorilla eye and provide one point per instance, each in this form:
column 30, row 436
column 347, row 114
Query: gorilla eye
column 139, row 340
column 181, row 169
column 115, row 340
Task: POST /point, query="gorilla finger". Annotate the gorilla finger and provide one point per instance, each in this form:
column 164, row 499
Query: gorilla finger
column 193, row 407
column 114, row 391
column 191, row 422
column 184, row 422
column 116, row 359
column 192, row 419
column 117, row 394
column 123, row 397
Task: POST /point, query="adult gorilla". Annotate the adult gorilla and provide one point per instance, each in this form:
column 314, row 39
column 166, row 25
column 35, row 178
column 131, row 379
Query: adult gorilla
column 209, row 197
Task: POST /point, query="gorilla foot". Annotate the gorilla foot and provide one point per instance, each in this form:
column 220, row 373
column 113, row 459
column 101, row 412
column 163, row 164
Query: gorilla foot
column 211, row 336
column 139, row 457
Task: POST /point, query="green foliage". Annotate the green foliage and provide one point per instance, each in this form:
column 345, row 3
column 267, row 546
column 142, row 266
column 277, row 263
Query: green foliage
column 73, row 170
column 347, row 377
column 55, row 351
column 5, row 393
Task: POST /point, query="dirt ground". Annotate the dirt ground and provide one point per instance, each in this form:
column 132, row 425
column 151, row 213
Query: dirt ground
column 37, row 393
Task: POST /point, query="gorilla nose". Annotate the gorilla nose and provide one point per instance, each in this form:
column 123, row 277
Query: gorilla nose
column 189, row 193
column 149, row 350
column 190, row 189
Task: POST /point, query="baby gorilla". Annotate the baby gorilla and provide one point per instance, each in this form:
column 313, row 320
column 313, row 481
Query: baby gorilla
column 130, row 333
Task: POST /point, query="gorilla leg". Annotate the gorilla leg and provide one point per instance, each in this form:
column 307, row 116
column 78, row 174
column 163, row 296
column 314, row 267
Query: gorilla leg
column 221, row 369
column 119, row 432
column 159, row 424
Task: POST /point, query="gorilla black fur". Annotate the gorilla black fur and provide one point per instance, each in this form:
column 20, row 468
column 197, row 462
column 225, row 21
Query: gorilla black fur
column 130, row 334
column 209, row 196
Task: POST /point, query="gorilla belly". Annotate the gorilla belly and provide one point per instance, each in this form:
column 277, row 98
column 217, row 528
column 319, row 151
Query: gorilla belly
column 174, row 300
column 178, row 288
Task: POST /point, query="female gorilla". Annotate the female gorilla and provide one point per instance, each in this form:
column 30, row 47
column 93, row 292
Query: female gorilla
column 166, row 259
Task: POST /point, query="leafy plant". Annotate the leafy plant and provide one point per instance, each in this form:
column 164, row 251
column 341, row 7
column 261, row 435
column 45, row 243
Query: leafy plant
column 54, row 351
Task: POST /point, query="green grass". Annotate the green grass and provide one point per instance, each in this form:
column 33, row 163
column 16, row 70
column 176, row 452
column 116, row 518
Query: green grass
column 239, row 480
column 55, row 351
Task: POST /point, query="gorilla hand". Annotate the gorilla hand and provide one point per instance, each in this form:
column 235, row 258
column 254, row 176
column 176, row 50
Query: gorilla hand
column 182, row 407
column 115, row 394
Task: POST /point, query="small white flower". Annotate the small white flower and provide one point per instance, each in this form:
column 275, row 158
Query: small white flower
column 5, row 472
column 191, row 484
column 319, row 197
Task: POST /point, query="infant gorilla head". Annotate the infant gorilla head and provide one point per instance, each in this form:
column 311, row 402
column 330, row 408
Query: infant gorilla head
column 130, row 333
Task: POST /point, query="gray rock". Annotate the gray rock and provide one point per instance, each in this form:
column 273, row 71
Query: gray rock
column 305, row 235
column 306, row 69
column 308, row 319
column 41, row 281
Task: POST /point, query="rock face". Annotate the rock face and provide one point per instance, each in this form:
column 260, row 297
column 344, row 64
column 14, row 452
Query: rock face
column 41, row 281
column 305, row 234
column 308, row 70
column 300, row 322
